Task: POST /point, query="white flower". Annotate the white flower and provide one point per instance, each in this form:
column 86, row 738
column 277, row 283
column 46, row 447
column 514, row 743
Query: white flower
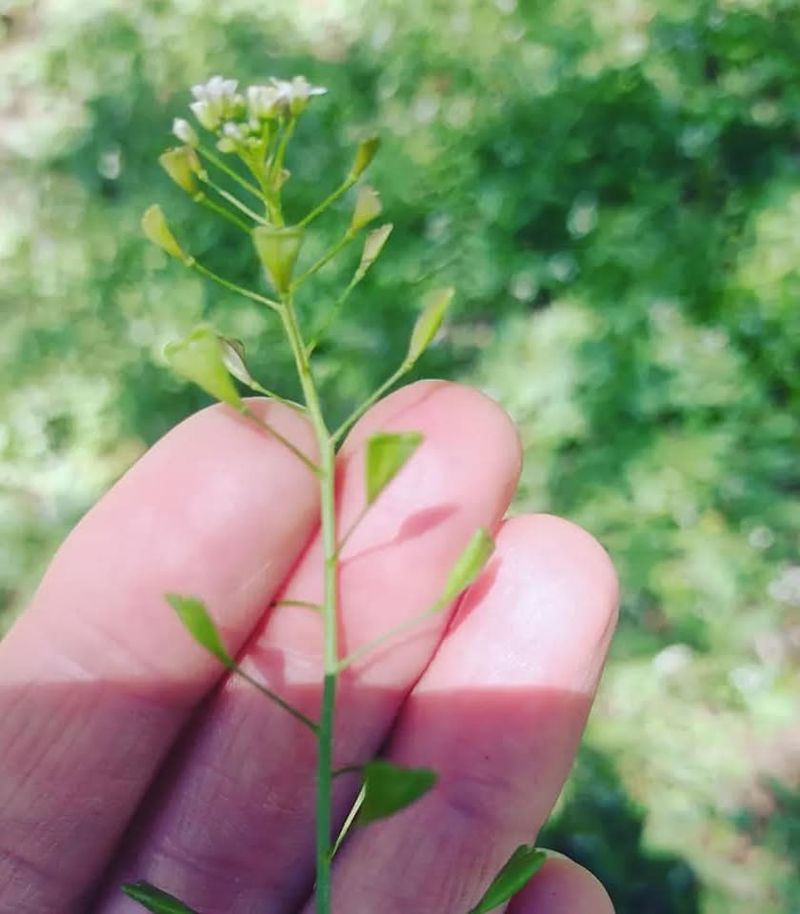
column 215, row 101
column 184, row 131
column 263, row 102
column 295, row 93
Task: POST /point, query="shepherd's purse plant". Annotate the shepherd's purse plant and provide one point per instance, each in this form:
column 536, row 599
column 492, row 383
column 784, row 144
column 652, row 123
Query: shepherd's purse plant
column 234, row 164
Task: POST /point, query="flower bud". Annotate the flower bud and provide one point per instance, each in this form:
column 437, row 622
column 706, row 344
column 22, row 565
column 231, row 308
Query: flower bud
column 278, row 248
column 184, row 131
column 364, row 156
column 200, row 358
column 157, row 230
column 183, row 166
column 368, row 207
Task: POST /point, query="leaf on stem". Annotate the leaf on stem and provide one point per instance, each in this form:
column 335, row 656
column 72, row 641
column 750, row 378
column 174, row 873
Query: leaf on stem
column 199, row 358
column 386, row 454
column 368, row 207
column 388, row 788
column 156, row 229
column 428, row 323
column 364, row 156
column 154, row 899
column 373, row 245
column 278, row 249
column 523, row 864
column 195, row 617
column 468, row 566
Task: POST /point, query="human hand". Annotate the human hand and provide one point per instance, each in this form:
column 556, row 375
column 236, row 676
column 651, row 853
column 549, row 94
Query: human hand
column 128, row 754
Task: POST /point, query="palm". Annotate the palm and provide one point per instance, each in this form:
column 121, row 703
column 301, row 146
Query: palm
column 110, row 771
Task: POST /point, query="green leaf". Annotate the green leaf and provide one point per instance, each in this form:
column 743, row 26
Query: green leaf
column 373, row 245
column 389, row 788
column 154, row 899
column 157, row 230
column 428, row 323
column 523, row 864
column 278, row 249
column 199, row 358
column 194, row 615
column 387, row 453
column 468, row 566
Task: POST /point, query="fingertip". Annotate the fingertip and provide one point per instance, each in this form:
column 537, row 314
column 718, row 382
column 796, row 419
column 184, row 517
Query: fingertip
column 563, row 887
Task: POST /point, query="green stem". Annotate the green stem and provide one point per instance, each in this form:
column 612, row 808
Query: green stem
column 235, row 201
column 282, row 703
column 402, row 629
column 342, row 189
column 357, row 413
column 327, row 479
column 325, row 259
column 233, row 175
column 203, row 200
column 231, row 286
column 246, row 411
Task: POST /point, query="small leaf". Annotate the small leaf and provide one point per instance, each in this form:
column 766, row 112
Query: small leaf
column 387, row 453
column 468, row 566
column 194, row 615
column 373, row 245
column 157, row 230
column 523, row 864
column 389, row 788
column 278, row 249
column 364, row 155
column 368, row 207
column 154, row 899
column 200, row 358
column 428, row 323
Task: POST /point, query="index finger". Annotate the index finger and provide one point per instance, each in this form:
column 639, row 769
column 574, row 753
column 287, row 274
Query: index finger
column 97, row 677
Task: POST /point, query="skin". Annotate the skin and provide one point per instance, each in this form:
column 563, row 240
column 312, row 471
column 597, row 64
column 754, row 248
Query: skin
column 127, row 754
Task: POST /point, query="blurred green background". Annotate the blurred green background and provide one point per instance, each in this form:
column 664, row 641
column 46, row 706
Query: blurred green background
column 614, row 189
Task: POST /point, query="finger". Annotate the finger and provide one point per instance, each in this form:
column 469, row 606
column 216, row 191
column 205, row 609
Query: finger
column 498, row 714
column 242, row 800
column 98, row 676
column 562, row 887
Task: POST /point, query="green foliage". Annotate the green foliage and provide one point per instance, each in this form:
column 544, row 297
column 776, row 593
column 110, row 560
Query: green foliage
column 521, row 867
column 390, row 788
column 468, row 566
column 613, row 189
column 386, row 454
column 194, row 615
column 155, row 900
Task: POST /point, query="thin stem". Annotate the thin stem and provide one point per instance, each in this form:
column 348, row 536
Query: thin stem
column 246, row 411
column 401, row 629
column 342, row 189
column 326, row 258
column 329, row 610
column 235, row 201
column 359, row 517
column 281, row 702
column 280, row 153
column 259, row 388
column 232, row 286
column 357, row 413
column 233, row 175
column 205, row 201
column 330, row 315
column 304, row 604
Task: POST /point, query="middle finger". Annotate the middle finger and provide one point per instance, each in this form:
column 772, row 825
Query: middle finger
column 231, row 827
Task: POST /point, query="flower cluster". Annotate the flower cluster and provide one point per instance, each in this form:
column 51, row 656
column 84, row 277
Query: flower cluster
column 244, row 119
